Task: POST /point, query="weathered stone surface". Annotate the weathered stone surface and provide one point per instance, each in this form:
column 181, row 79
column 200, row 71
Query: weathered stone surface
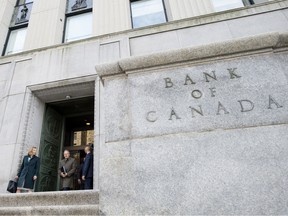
column 224, row 172
column 50, row 203
column 117, row 109
column 205, row 137
column 240, row 46
column 50, row 198
column 51, row 210
column 223, row 103
column 212, row 164
column 223, row 94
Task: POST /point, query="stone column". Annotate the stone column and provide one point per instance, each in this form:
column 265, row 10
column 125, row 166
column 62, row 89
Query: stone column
column 181, row 9
column 111, row 16
column 6, row 12
column 46, row 24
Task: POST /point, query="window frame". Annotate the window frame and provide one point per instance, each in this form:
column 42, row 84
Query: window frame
column 131, row 14
column 14, row 27
column 248, row 2
column 216, row 9
column 75, row 13
column 18, row 3
column 9, row 34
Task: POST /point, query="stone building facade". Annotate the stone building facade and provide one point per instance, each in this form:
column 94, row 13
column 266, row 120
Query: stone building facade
column 187, row 106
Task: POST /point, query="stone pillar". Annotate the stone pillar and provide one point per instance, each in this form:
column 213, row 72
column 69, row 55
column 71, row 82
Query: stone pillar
column 181, row 9
column 46, row 24
column 6, row 12
column 111, row 16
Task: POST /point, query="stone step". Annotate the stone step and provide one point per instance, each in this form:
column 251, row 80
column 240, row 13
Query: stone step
column 84, row 202
column 51, row 210
column 57, row 198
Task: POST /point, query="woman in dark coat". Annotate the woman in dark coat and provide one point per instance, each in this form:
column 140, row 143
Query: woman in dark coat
column 28, row 172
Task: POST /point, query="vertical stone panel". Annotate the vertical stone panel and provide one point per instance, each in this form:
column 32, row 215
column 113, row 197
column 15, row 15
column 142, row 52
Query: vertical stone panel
column 4, row 88
column 181, row 9
column 46, row 24
column 109, row 52
column 111, row 16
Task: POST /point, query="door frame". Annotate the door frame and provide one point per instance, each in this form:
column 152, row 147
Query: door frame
column 40, row 94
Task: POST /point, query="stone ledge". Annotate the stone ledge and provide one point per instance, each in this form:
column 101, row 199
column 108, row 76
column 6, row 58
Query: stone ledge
column 85, row 197
column 243, row 46
column 51, row 210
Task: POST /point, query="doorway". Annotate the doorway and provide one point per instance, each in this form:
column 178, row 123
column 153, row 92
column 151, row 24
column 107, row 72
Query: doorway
column 67, row 125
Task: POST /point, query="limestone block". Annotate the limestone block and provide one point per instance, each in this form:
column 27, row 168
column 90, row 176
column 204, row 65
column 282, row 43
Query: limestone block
column 24, row 74
column 9, row 157
column 200, row 35
column 154, row 43
column 258, row 25
column 12, row 118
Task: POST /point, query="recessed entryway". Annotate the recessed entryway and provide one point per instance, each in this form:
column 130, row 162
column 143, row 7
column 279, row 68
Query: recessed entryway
column 67, row 124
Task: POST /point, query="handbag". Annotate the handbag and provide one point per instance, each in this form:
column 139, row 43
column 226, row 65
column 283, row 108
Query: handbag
column 12, row 186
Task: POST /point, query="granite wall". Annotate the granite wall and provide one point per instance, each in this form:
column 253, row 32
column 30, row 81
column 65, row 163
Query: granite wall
column 199, row 130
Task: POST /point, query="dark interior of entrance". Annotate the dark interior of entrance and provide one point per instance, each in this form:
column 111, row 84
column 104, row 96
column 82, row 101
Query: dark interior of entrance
column 67, row 125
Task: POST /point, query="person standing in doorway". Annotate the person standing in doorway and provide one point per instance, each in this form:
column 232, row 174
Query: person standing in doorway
column 67, row 168
column 28, row 172
column 79, row 174
column 87, row 170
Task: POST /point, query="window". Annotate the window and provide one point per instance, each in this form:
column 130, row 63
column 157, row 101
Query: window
column 79, row 20
column 18, row 27
column 78, row 27
column 83, row 137
column 147, row 12
column 16, row 41
column 221, row 5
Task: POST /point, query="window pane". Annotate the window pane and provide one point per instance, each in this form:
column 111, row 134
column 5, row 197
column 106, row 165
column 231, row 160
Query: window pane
column 78, row 27
column 16, row 41
column 147, row 12
column 83, row 138
column 221, row 5
column 24, row 2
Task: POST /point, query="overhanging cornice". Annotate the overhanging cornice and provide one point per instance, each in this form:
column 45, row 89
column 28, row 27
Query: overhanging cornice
column 227, row 49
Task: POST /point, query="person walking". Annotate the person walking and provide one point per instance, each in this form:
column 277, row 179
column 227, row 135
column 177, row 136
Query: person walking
column 67, row 168
column 28, row 172
column 87, row 170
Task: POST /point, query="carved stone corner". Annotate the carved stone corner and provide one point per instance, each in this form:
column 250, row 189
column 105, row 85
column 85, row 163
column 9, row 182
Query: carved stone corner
column 109, row 69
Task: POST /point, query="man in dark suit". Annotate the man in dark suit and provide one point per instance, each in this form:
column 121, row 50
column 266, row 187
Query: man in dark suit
column 87, row 171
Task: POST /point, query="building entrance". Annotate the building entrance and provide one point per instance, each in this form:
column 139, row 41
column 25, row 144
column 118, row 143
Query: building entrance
column 67, row 125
